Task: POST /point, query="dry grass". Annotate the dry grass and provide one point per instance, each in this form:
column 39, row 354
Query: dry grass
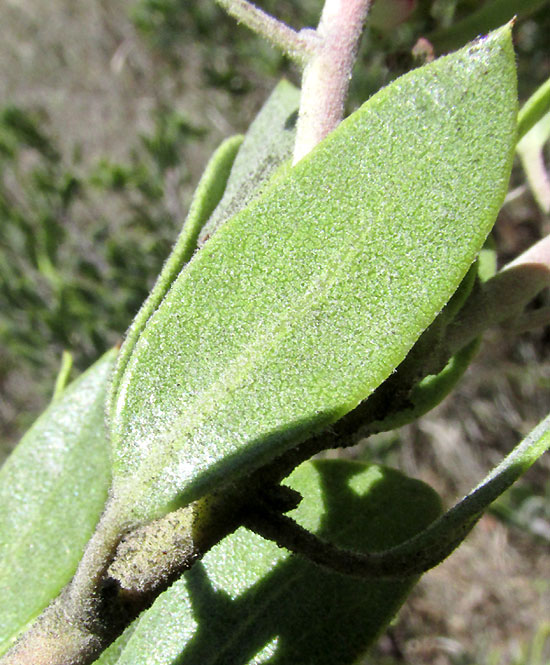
column 85, row 65
column 485, row 602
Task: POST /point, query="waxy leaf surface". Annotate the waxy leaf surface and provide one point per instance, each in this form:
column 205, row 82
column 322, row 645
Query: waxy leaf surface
column 249, row 601
column 304, row 302
column 52, row 491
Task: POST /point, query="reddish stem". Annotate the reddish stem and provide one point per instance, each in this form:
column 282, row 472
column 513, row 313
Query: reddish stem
column 327, row 75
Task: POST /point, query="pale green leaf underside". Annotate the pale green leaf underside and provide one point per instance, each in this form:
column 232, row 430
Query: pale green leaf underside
column 306, row 301
column 251, row 602
column 531, row 151
column 52, row 491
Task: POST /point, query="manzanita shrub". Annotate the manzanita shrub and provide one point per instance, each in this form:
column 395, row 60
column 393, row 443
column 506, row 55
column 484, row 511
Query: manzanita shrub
column 308, row 301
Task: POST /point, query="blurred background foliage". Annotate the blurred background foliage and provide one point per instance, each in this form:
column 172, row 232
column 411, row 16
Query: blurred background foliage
column 90, row 207
column 108, row 113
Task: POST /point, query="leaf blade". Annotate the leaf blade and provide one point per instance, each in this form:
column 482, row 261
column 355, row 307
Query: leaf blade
column 278, row 328
column 52, row 491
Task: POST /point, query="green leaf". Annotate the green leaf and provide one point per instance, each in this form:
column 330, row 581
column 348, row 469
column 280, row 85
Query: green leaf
column 534, row 109
column 52, row 491
column 302, row 304
column 268, row 144
column 205, row 199
column 251, row 602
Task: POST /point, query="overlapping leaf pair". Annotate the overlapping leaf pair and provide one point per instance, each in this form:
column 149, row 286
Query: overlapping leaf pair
column 291, row 315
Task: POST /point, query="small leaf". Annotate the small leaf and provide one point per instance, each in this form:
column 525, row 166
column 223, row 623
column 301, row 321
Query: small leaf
column 249, row 601
column 267, row 144
column 428, row 547
column 302, row 304
column 63, row 375
column 52, row 491
column 232, row 178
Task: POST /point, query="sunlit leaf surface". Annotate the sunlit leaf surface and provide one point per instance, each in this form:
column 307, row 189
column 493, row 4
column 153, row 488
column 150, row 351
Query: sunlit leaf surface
column 302, row 304
column 52, row 491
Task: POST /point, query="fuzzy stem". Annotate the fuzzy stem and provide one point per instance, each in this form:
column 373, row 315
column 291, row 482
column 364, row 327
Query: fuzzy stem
column 121, row 574
column 97, row 557
column 327, row 55
column 71, row 630
column 327, row 75
column 54, row 639
column 421, row 552
column 296, row 45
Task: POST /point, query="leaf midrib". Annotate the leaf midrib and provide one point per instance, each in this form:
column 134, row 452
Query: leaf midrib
column 230, row 380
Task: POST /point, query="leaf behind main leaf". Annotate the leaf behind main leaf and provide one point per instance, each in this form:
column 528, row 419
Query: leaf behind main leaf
column 302, row 304
column 205, row 199
column 249, row 601
column 234, row 175
column 267, row 144
column 52, row 491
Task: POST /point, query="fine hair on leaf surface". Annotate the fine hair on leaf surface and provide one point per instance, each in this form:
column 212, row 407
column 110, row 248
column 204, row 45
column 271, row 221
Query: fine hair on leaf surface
column 277, row 328
column 323, row 288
